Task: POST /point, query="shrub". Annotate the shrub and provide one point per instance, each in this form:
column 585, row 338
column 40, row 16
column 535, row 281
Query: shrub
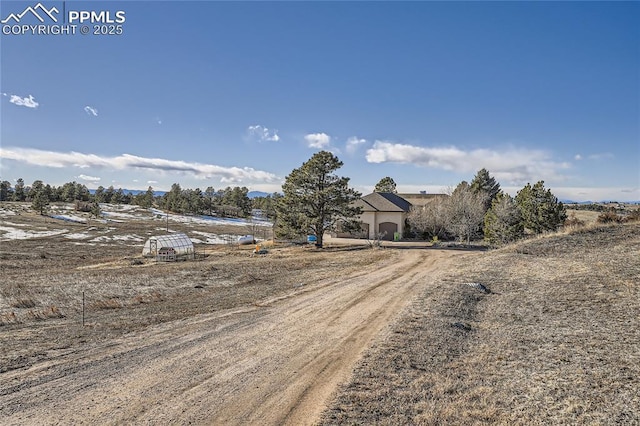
column 634, row 215
column 503, row 222
column 23, row 303
column 610, row 217
column 574, row 222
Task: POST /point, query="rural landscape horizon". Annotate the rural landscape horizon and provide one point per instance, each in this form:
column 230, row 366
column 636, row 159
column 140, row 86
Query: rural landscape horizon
column 239, row 94
column 319, row 213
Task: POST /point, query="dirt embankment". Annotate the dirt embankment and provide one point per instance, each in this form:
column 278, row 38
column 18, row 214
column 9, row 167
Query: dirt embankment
column 274, row 362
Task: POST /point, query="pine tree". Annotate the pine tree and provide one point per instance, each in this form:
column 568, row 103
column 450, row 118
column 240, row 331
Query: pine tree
column 540, row 209
column 485, row 183
column 315, row 199
column 386, row 184
column 39, row 197
column 19, row 192
column 503, row 222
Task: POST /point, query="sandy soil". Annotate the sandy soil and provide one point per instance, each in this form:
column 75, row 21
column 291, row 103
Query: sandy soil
column 274, row 362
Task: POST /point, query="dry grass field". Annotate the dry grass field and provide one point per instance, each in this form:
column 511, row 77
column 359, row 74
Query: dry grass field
column 245, row 337
column 43, row 278
column 556, row 341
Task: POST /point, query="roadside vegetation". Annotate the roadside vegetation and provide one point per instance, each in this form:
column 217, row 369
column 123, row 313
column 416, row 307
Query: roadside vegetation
column 554, row 341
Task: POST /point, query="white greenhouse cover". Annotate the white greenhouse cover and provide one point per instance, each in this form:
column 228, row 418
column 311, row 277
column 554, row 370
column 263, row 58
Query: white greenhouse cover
column 181, row 243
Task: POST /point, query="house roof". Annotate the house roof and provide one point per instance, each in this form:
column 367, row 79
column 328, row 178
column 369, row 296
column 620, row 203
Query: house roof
column 422, row 198
column 383, row 202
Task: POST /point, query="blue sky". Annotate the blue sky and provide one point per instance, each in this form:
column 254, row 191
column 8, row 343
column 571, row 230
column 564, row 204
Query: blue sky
column 241, row 93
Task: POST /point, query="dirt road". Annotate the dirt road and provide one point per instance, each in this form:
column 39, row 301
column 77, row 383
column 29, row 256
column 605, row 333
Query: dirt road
column 275, row 362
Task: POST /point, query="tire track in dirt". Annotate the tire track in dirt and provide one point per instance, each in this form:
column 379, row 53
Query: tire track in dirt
column 277, row 363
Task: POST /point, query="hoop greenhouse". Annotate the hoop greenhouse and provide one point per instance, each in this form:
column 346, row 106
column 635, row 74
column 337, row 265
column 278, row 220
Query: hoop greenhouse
column 180, row 244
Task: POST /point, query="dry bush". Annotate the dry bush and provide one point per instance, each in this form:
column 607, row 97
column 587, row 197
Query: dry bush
column 110, row 303
column 634, row 215
column 24, row 303
column 610, row 217
column 573, row 221
column 43, row 314
column 8, row 318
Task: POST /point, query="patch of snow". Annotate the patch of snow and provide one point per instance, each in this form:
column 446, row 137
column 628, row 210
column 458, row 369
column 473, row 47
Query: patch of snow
column 209, row 220
column 19, row 225
column 215, row 238
column 119, row 207
column 69, row 218
column 77, row 236
column 4, row 212
column 127, row 238
column 119, row 215
column 19, row 234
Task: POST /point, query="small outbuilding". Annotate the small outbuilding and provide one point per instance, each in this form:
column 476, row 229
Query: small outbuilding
column 169, row 247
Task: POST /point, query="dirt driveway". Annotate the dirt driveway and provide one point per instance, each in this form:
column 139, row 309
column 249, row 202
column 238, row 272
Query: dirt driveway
column 276, row 362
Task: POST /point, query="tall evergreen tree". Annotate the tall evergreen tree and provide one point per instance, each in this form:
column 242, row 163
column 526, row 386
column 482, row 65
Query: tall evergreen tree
column 316, row 199
column 503, row 222
column 484, row 182
column 6, row 191
column 39, row 197
column 386, row 184
column 540, row 209
column 19, row 193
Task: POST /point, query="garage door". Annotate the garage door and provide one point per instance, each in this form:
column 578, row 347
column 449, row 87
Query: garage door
column 389, row 228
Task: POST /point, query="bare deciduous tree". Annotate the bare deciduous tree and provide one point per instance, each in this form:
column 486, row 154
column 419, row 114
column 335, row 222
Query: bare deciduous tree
column 430, row 219
column 466, row 212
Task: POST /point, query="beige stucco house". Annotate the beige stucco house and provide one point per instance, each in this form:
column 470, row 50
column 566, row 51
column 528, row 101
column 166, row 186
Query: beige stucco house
column 383, row 213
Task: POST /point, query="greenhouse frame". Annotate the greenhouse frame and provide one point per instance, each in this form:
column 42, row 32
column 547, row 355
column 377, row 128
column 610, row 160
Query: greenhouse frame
column 169, row 247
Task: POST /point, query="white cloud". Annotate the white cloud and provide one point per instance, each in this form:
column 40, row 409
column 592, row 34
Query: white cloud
column 588, row 193
column 354, row 143
column 91, row 111
column 88, row 178
column 29, row 102
column 578, row 157
column 318, row 140
column 127, row 161
column 263, row 134
column 516, row 165
column 152, row 181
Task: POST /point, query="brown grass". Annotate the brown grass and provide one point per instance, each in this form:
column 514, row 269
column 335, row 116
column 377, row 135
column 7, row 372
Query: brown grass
column 556, row 342
column 123, row 296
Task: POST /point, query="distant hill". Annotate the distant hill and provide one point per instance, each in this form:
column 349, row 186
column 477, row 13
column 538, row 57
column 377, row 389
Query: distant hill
column 135, row 192
column 254, row 194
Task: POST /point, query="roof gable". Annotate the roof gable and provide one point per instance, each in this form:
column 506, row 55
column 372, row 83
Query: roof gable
column 384, row 202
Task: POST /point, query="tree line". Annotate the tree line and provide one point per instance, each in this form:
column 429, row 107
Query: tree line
column 481, row 209
column 227, row 202
column 317, row 200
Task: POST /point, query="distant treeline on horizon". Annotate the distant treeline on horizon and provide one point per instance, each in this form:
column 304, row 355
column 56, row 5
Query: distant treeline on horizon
column 229, row 202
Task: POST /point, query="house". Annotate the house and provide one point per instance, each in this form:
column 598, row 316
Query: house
column 383, row 213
